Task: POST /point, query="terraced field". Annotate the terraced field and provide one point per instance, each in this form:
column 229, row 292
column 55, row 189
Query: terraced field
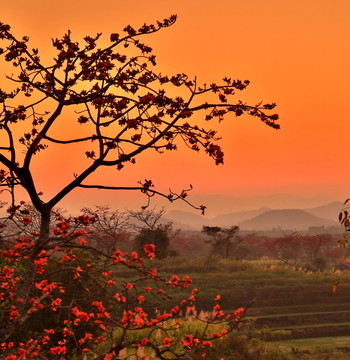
column 288, row 309
column 300, row 325
column 284, row 303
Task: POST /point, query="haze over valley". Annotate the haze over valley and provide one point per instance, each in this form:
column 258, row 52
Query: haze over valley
column 287, row 217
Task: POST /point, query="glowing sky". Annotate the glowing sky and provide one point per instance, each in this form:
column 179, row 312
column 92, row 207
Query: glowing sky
column 296, row 53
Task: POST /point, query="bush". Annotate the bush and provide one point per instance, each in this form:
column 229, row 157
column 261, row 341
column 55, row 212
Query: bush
column 320, row 264
column 158, row 237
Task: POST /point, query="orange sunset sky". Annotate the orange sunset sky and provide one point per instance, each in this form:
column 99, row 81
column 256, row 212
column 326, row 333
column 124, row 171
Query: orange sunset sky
column 295, row 53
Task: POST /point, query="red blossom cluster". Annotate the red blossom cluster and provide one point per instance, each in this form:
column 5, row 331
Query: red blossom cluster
column 83, row 324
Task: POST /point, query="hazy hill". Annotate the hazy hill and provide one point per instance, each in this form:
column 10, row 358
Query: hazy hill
column 225, row 204
column 263, row 218
column 329, row 211
column 198, row 221
column 228, row 220
column 291, row 219
column 193, row 221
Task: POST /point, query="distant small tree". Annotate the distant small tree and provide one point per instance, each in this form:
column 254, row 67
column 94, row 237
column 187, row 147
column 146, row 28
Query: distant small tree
column 152, row 228
column 146, row 218
column 224, row 242
column 190, row 243
column 110, row 230
column 298, row 248
column 255, row 246
column 320, row 264
column 288, row 248
column 316, row 246
column 157, row 236
column 344, row 220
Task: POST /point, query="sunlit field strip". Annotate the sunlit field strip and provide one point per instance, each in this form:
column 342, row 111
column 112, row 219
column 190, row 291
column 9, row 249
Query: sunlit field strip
column 309, row 326
column 300, row 314
column 313, row 343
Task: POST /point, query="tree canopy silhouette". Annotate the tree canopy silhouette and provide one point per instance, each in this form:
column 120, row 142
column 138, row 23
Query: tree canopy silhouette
column 122, row 101
column 126, row 107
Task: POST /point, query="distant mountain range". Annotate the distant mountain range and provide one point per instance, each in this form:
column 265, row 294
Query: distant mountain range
column 328, row 211
column 226, row 220
column 263, row 218
column 288, row 219
column 225, row 204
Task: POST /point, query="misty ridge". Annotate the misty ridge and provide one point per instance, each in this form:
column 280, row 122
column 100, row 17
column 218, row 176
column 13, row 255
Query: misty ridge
column 264, row 218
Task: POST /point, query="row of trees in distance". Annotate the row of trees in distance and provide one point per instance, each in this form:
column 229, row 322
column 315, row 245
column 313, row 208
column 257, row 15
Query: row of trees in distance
column 109, row 230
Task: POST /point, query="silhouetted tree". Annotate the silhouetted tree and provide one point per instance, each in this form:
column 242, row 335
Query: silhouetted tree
column 152, row 229
column 110, row 230
column 124, row 108
column 344, row 219
column 120, row 100
column 157, row 236
column 224, row 242
column 148, row 218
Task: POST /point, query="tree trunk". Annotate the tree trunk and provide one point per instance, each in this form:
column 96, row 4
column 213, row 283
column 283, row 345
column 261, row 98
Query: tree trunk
column 227, row 249
column 44, row 236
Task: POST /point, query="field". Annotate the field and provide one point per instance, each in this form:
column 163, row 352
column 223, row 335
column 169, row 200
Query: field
column 317, row 343
column 292, row 311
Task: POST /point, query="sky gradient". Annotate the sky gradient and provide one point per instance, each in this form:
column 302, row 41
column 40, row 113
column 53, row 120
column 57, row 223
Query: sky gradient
column 296, row 54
